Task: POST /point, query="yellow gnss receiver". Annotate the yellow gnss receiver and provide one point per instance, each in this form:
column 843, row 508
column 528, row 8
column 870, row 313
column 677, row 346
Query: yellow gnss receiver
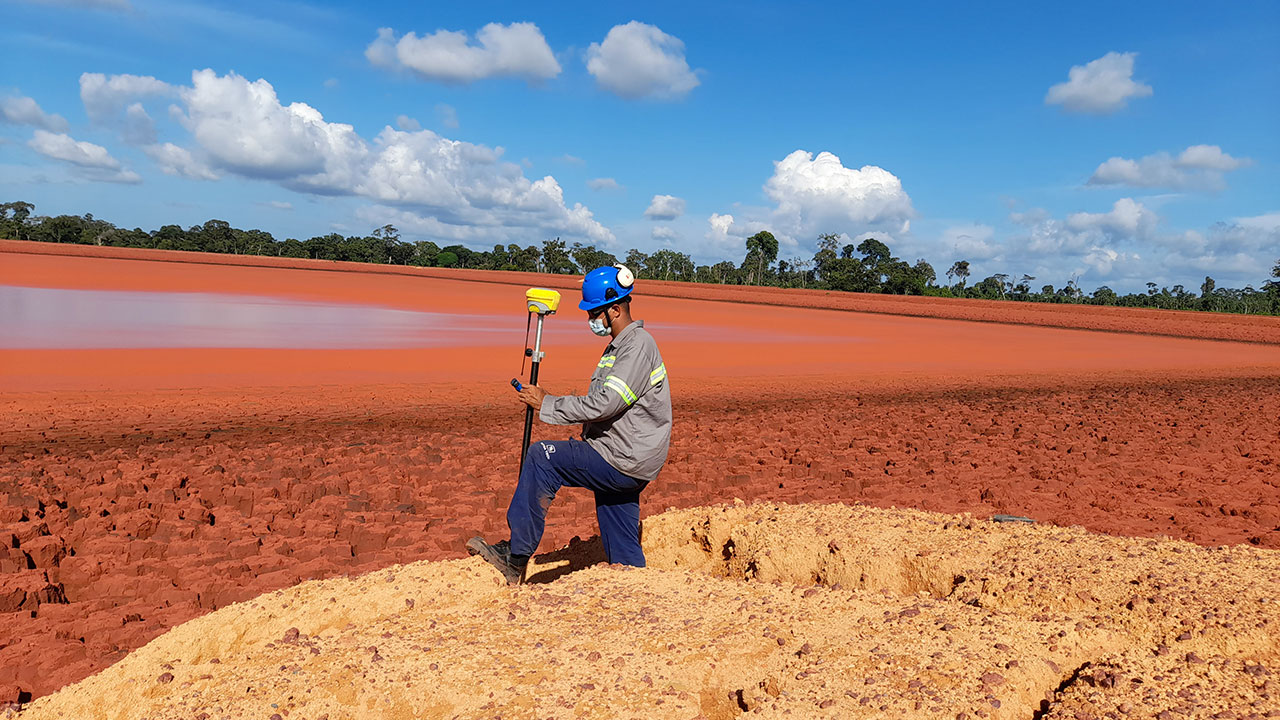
column 542, row 301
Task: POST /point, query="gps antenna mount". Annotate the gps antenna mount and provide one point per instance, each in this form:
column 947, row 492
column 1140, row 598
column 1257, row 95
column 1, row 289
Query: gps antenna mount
column 540, row 302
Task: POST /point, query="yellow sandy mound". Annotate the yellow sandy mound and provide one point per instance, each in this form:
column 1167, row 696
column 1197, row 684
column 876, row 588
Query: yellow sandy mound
column 799, row 611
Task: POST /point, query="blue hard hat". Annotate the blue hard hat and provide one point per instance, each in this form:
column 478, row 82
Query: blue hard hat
column 605, row 286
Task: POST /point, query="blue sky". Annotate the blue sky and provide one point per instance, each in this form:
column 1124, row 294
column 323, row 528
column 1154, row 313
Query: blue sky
column 1116, row 143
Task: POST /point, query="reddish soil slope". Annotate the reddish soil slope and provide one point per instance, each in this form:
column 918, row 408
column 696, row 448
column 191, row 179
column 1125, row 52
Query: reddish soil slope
column 141, row 488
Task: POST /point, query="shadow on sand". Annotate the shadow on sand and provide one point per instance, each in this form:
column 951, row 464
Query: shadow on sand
column 578, row 554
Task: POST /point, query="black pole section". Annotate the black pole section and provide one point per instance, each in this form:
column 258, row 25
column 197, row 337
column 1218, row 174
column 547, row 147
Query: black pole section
column 528, row 416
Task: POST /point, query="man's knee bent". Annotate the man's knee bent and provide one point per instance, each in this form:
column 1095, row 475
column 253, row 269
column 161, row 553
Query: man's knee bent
column 538, row 464
column 540, row 452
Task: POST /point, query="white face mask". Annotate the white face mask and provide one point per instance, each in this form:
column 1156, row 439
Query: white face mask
column 598, row 327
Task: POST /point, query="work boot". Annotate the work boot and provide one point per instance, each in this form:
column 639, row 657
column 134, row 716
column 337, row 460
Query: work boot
column 499, row 555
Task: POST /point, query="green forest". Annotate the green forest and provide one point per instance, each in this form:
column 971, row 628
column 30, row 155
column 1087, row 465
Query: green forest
column 868, row 267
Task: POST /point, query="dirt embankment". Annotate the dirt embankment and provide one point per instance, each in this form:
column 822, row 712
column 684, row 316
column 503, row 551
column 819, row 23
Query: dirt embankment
column 1214, row 326
column 769, row 610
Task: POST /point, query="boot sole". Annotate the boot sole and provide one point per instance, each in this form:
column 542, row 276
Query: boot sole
column 477, row 546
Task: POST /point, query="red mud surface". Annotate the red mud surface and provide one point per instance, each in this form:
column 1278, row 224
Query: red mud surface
column 140, row 488
column 1176, row 323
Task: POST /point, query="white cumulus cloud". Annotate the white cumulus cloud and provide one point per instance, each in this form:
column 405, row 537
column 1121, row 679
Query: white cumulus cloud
column 818, row 194
column 726, row 234
column 817, row 191
column 61, row 146
column 637, row 60
column 26, row 111
column 1125, row 247
column 94, row 161
column 1127, row 217
column 245, row 129
column 518, row 49
column 1197, row 167
column 662, row 232
column 174, row 160
column 1112, row 246
column 665, row 207
column 720, row 225
column 1100, row 86
column 104, row 96
column 1103, row 261
column 1210, row 157
column 465, row 190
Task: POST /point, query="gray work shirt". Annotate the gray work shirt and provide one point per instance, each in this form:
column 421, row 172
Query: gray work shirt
column 626, row 413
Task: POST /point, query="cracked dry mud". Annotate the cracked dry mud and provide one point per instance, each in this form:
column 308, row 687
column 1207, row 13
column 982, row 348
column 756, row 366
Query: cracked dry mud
column 140, row 512
column 806, row 611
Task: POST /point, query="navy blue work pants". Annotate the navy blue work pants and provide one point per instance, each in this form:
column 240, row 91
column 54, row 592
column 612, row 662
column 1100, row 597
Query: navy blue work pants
column 550, row 465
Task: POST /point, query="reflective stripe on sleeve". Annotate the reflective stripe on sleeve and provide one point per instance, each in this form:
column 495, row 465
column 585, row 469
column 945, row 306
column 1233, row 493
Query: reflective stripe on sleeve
column 658, row 375
column 621, row 388
column 607, row 361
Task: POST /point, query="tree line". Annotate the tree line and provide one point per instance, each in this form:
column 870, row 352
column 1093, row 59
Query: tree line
column 868, row 266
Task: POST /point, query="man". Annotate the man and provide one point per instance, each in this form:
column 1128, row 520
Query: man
column 626, row 430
